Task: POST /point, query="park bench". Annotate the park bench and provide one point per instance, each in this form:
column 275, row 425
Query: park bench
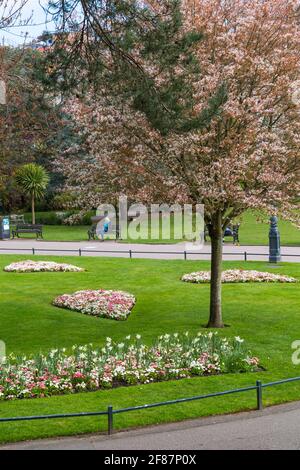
column 28, row 228
column 230, row 231
column 92, row 232
column 233, row 231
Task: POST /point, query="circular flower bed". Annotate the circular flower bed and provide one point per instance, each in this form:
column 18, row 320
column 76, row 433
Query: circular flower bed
column 237, row 275
column 30, row 266
column 115, row 305
column 131, row 362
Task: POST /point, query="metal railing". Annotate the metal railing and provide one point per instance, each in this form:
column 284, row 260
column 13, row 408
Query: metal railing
column 80, row 251
column 110, row 412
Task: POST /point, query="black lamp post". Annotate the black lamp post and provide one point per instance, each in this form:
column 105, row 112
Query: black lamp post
column 274, row 241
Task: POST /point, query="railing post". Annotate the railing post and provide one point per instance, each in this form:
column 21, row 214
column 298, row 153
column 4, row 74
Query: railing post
column 259, row 395
column 110, row 422
column 33, row 251
column 130, row 254
column 79, row 251
column 245, row 255
column 184, row 255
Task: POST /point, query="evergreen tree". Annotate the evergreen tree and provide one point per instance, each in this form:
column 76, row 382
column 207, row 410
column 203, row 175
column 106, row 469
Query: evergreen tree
column 138, row 48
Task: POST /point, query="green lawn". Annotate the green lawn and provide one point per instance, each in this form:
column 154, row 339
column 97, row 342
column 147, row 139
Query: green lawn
column 266, row 315
column 252, row 232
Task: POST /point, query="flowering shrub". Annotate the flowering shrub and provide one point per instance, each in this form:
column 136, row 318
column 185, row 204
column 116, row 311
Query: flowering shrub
column 130, row 362
column 115, row 305
column 30, row 266
column 238, row 275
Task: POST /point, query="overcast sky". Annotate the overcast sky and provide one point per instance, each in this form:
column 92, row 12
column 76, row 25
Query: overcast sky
column 15, row 35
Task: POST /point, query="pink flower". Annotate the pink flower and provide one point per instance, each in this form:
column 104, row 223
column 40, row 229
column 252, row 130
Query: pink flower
column 78, row 375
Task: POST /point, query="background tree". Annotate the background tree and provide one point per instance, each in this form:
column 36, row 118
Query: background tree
column 33, row 179
column 11, row 13
column 234, row 144
column 32, row 125
column 139, row 48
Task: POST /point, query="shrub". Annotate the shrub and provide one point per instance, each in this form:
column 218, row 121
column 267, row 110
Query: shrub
column 48, row 218
column 80, row 218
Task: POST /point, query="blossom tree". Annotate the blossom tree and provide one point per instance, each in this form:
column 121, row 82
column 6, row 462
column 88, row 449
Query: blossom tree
column 246, row 155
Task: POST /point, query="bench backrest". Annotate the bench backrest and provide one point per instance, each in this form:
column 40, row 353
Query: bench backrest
column 29, row 226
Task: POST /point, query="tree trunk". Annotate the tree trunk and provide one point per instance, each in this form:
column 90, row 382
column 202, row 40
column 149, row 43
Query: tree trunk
column 32, row 209
column 216, row 235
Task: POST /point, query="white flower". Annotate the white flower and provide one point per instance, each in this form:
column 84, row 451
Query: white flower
column 238, row 339
column 238, row 275
column 91, row 369
column 41, row 266
column 116, row 305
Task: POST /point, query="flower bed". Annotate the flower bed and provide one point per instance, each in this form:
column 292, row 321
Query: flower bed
column 130, row 362
column 30, row 266
column 238, row 275
column 115, row 305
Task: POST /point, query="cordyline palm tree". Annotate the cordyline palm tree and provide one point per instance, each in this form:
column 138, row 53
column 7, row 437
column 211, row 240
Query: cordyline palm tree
column 33, row 180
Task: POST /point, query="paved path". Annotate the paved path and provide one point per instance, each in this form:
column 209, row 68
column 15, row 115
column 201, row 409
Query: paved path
column 274, row 428
column 113, row 249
